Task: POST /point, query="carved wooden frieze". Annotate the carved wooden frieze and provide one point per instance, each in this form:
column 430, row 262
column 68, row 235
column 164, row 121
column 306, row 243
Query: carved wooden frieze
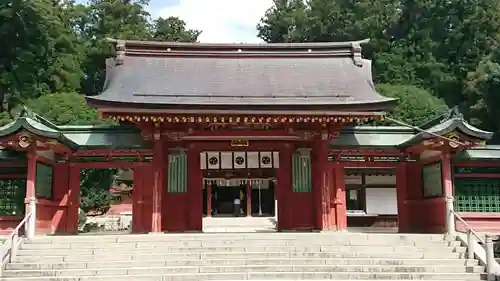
column 311, row 135
column 177, row 135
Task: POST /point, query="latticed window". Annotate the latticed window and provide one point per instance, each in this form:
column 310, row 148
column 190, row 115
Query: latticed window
column 477, row 195
column 12, row 194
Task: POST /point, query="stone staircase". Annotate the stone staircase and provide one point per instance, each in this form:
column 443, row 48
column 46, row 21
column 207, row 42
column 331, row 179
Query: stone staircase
column 242, row 224
column 242, row 256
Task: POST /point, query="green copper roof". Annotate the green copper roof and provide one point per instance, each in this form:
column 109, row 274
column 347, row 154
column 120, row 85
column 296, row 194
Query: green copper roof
column 35, row 124
column 114, row 137
column 488, row 152
column 75, row 137
column 372, row 136
column 445, row 124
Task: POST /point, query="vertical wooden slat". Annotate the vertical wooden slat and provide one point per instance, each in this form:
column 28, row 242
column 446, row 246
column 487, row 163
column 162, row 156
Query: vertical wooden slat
column 177, row 171
column 295, row 173
column 300, row 170
column 170, row 183
column 308, row 186
column 183, row 187
column 301, row 173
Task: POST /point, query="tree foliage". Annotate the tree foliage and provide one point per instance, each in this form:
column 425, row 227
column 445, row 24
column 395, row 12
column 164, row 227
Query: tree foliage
column 445, row 48
column 95, row 196
column 53, row 53
column 415, row 105
column 65, row 109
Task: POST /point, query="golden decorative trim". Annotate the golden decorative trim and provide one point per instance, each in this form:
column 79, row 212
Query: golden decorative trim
column 240, row 143
column 25, row 140
column 245, row 119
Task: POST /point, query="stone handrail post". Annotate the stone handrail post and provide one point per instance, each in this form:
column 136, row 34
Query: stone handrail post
column 490, row 257
column 30, row 226
column 470, row 245
column 450, row 216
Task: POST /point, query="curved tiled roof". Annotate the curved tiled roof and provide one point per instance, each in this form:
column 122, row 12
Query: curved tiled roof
column 316, row 75
column 35, row 124
column 445, row 124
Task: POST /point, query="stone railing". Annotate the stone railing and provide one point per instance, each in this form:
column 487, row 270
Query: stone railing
column 477, row 248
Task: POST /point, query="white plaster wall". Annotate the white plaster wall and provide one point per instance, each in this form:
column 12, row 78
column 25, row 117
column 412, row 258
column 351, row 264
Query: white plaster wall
column 381, row 201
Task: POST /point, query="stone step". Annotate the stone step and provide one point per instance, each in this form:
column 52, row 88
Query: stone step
column 232, row 262
column 272, row 275
column 222, row 243
column 238, row 237
column 235, row 229
column 189, row 249
column 244, row 268
column 50, row 257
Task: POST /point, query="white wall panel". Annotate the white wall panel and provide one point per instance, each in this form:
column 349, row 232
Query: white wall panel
column 253, row 160
column 276, row 156
column 226, row 161
column 203, row 160
column 381, row 201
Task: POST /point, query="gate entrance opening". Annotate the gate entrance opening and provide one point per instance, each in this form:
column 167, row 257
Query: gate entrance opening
column 239, row 197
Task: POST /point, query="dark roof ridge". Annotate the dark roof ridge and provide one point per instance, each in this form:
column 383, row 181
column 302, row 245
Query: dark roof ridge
column 238, row 50
column 260, row 46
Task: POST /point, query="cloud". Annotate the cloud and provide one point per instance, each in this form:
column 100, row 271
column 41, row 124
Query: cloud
column 222, row 21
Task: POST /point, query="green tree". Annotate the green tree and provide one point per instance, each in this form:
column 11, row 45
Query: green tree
column 99, row 20
column 484, row 95
column 65, row 109
column 94, row 190
column 415, row 106
column 442, row 41
column 39, row 53
column 173, row 29
column 325, row 20
column 431, row 44
column 284, row 22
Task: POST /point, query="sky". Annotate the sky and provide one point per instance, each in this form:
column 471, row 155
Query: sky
column 221, row 21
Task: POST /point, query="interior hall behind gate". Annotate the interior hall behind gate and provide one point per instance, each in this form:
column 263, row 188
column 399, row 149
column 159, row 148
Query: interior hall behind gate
column 245, row 176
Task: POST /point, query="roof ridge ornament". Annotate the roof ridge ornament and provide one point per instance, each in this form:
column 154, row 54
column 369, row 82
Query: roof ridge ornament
column 28, row 113
column 356, row 50
column 455, row 113
column 120, row 52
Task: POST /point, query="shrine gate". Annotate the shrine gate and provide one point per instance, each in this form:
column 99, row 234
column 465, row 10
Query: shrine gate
column 192, row 117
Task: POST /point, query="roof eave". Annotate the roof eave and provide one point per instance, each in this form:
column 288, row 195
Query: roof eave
column 461, row 125
column 23, row 124
column 379, row 106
